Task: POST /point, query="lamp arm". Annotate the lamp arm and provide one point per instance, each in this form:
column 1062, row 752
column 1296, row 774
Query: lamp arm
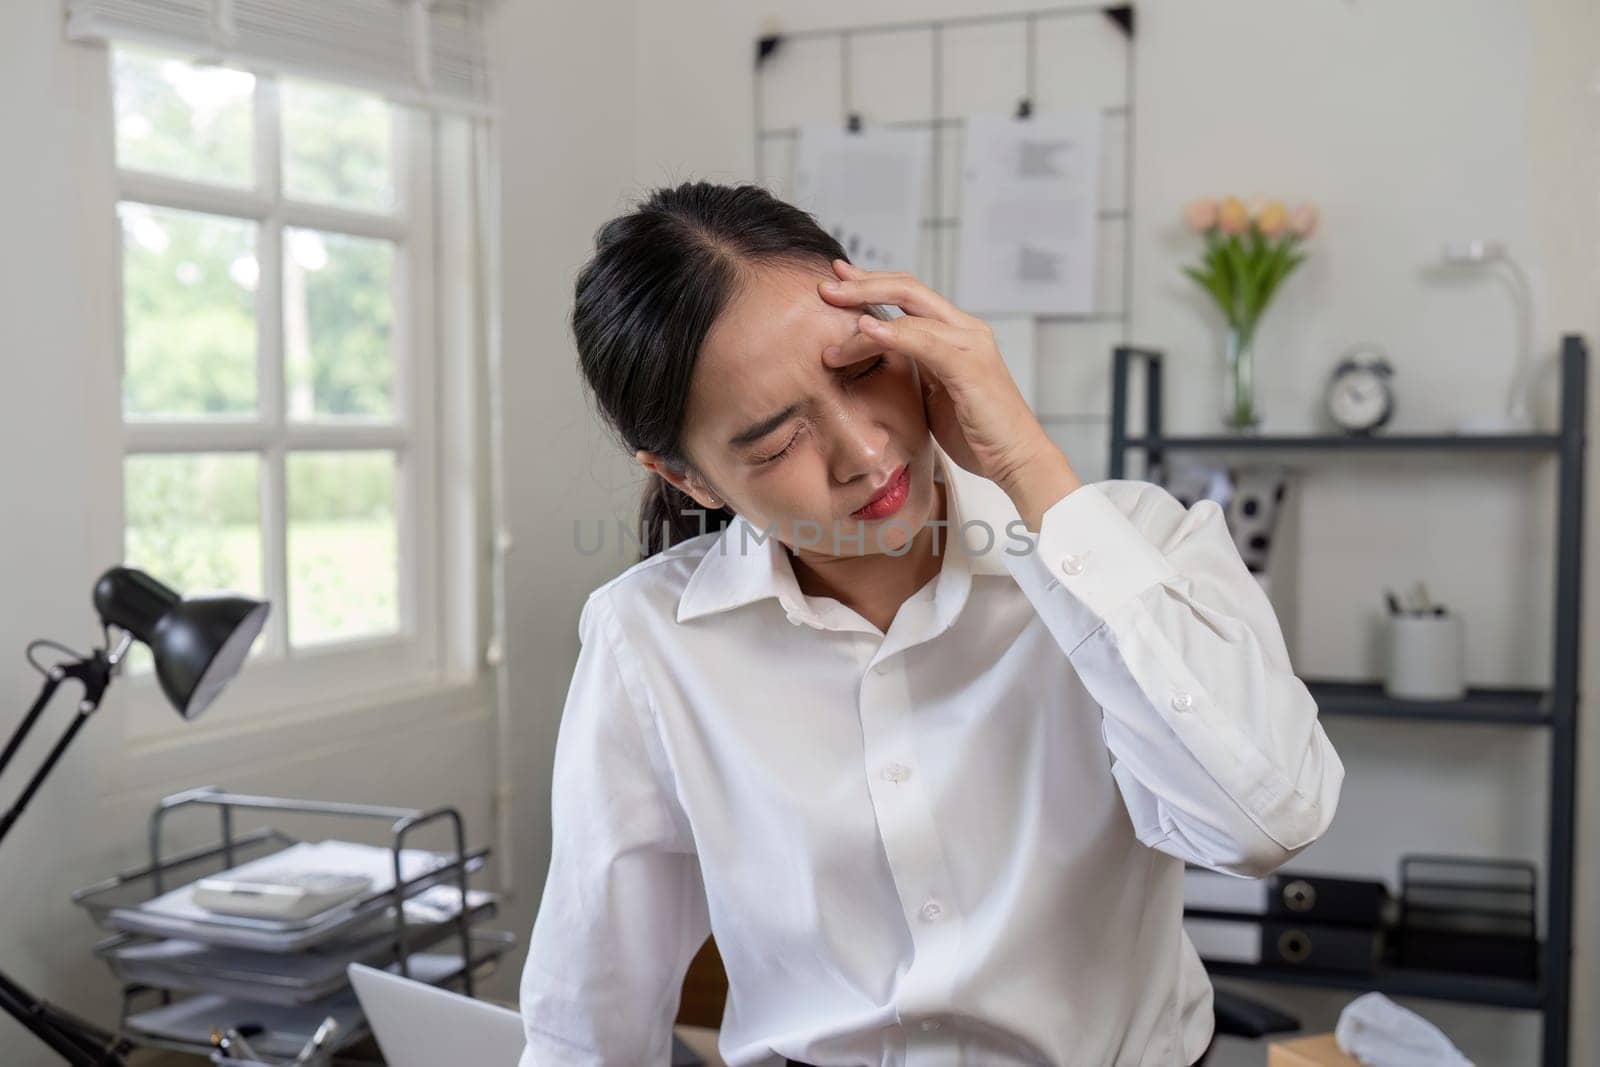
column 79, row 1042
column 94, row 671
column 52, row 681
column 76, row 1040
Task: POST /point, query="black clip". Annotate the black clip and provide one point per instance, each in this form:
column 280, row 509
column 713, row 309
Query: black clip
column 765, row 46
column 1024, row 108
column 1122, row 15
column 853, row 123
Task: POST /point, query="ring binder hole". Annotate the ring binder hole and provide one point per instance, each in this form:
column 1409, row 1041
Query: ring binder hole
column 1299, row 895
column 1294, row 946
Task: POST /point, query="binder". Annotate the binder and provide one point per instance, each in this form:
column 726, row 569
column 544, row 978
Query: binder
column 1325, row 899
column 1273, row 943
column 1293, row 897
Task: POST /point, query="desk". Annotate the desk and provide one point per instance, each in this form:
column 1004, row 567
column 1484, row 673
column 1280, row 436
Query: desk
column 702, row 1039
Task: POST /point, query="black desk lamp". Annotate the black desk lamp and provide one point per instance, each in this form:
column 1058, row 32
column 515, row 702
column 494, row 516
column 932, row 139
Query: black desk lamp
column 198, row 643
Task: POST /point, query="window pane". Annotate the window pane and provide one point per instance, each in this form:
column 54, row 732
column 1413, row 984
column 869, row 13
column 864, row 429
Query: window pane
column 336, row 146
column 189, row 329
column 193, row 522
column 344, row 571
column 337, row 308
column 181, row 119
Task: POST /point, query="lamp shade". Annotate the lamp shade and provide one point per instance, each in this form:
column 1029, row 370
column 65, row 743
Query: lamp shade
column 198, row 643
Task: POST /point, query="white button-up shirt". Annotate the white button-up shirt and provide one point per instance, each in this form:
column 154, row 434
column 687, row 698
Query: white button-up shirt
column 959, row 842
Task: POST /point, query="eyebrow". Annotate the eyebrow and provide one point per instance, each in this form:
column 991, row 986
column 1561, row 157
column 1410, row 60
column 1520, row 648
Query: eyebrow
column 757, row 431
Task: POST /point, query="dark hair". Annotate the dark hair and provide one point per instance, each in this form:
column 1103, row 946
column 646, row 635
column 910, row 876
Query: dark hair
column 659, row 277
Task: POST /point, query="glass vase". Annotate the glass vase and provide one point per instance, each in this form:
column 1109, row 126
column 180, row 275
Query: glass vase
column 1239, row 412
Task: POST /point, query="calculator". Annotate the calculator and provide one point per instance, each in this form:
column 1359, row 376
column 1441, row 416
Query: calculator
column 285, row 895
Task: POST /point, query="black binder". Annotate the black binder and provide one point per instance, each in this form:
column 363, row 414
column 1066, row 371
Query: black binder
column 1264, row 942
column 1317, row 898
column 1321, row 946
column 1324, row 899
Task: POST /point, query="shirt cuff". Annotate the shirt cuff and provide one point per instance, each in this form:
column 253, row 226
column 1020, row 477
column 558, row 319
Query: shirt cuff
column 1087, row 546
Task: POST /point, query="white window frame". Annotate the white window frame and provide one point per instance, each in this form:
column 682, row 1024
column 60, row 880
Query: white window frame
column 359, row 672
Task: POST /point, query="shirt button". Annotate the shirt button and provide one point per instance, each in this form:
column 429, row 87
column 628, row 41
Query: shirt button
column 932, row 911
column 1073, row 563
column 930, row 1025
column 896, row 772
column 1182, row 701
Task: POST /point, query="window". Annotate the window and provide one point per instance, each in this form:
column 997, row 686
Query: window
column 278, row 366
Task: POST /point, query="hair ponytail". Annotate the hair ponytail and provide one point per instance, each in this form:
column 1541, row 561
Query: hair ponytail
column 668, row 515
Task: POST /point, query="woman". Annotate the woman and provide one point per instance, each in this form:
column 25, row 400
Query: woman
column 931, row 789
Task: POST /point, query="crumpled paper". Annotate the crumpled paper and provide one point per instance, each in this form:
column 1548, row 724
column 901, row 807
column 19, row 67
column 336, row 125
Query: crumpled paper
column 1380, row 1033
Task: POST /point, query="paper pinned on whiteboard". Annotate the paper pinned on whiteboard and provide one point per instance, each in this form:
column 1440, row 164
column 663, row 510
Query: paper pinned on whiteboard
column 1029, row 214
column 866, row 189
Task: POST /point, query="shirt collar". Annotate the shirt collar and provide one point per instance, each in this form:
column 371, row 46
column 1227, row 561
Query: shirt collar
column 740, row 569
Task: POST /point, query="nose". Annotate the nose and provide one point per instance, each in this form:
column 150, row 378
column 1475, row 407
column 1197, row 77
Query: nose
column 859, row 451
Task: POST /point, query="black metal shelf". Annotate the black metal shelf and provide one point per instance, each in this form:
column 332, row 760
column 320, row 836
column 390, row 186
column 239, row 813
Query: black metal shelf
column 1379, row 442
column 1488, row 705
column 1396, row 981
column 1554, row 708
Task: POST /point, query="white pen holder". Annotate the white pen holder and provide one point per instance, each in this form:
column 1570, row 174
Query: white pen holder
column 1426, row 657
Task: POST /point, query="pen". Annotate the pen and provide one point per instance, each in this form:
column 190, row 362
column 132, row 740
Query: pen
column 237, row 1042
column 1424, row 602
column 329, row 1026
column 220, row 1042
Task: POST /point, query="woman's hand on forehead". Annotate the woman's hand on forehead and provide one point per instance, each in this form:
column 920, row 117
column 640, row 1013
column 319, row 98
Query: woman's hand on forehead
column 974, row 407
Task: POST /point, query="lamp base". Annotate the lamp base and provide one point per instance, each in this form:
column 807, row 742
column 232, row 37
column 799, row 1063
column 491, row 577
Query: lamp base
column 1494, row 424
column 75, row 1040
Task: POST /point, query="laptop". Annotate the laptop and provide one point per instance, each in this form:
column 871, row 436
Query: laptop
column 419, row 1025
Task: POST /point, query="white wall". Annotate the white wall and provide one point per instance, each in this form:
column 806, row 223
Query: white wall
column 1409, row 124
column 564, row 77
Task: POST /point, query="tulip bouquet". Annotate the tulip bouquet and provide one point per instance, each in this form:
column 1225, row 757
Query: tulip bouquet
column 1249, row 252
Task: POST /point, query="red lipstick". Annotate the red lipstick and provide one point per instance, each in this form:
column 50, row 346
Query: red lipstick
column 889, row 498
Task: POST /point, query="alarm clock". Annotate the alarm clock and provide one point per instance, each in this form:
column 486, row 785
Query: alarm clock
column 1360, row 393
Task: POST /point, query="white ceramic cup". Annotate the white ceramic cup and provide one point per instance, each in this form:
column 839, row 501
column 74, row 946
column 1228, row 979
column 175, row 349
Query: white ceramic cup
column 1426, row 657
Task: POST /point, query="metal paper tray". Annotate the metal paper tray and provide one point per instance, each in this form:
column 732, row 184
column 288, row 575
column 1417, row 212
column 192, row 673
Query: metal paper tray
column 269, row 977
column 185, row 1025
column 116, row 903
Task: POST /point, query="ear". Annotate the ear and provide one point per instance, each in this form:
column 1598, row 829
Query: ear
column 684, row 481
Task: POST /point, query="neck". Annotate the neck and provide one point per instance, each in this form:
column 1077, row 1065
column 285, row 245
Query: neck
column 875, row 585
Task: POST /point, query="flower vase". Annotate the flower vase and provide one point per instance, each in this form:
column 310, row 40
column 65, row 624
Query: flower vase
column 1239, row 411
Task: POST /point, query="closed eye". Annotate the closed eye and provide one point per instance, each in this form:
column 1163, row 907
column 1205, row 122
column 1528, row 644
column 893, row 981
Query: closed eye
column 781, row 453
column 876, row 366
